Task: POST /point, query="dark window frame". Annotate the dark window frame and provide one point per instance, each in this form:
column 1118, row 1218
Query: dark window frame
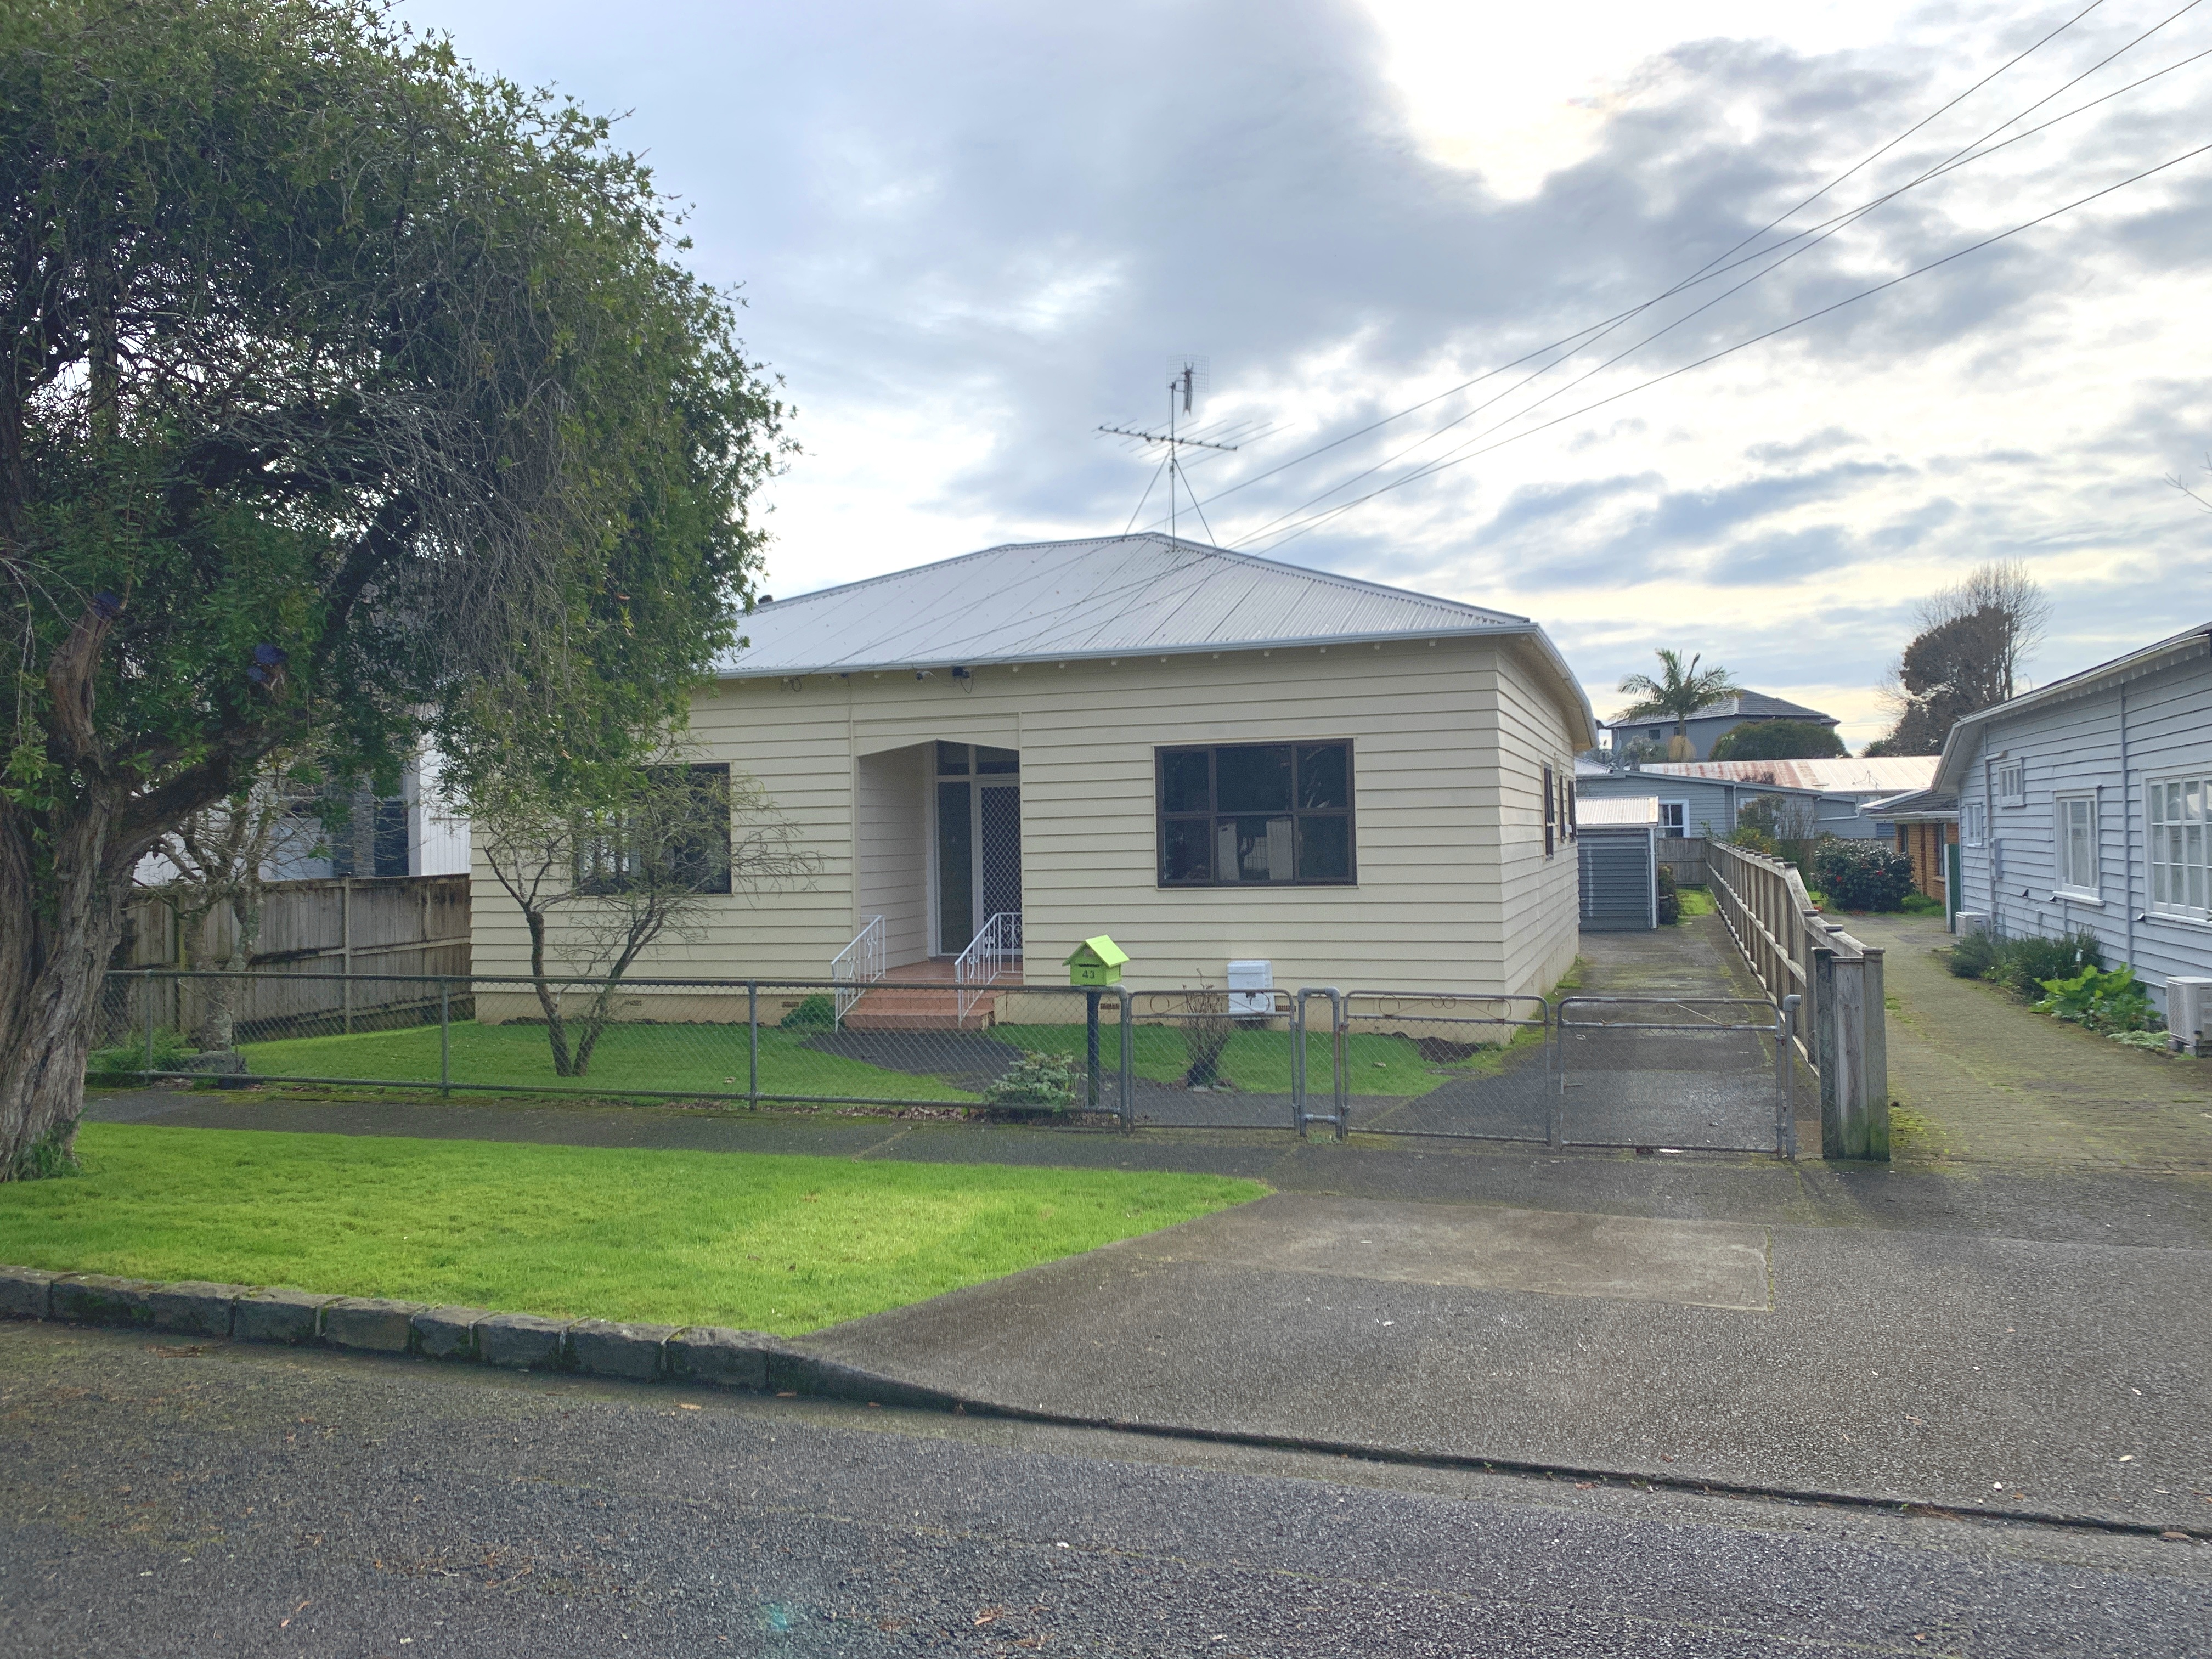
column 603, row 855
column 1212, row 815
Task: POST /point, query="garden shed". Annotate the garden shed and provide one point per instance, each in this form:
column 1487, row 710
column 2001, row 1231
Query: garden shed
column 1617, row 852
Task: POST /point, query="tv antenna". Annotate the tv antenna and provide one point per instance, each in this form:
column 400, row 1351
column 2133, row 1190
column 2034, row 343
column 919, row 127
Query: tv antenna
column 1186, row 380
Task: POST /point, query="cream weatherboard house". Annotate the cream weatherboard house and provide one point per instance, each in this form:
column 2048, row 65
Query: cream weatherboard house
column 1209, row 756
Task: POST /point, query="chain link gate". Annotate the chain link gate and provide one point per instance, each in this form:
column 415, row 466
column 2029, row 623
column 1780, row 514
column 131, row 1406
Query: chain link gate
column 1702, row 1073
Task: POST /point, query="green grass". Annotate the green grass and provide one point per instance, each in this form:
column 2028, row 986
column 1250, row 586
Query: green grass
column 1696, row 902
column 780, row 1244
column 704, row 1060
column 710, row 1060
column 1257, row 1062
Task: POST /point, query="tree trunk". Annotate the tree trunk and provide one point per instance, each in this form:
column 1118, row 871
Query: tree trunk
column 548, row 998
column 59, row 928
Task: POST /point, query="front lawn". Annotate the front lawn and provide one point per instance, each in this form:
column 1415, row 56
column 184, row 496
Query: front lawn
column 711, row 1060
column 704, row 1060
column 780, row 1244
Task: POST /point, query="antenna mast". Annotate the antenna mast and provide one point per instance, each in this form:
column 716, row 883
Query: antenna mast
column 1188, row 378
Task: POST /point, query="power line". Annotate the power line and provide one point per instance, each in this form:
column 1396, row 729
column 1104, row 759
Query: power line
column 1607, row 323
column 1963, row 156
column 1442, row 463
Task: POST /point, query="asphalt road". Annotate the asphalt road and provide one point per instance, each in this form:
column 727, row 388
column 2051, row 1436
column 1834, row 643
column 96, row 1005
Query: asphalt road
column 168, row 1498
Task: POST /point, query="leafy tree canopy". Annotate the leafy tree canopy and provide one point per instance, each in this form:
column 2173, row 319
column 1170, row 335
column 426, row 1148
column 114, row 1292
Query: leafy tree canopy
column 344, row 391
column 1779, row 740
column 1679, row 692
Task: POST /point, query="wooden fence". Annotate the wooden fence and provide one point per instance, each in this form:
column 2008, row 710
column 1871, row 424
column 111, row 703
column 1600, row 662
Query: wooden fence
column 345, row 925
column 1685, row 856
column 1794, row 950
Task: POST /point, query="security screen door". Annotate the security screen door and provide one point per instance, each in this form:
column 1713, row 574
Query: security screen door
column 979, row 840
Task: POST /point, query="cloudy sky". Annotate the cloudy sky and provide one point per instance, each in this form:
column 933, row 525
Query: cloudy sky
column 969, row 234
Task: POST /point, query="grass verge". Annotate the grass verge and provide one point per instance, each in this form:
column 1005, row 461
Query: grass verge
column 772, row 1243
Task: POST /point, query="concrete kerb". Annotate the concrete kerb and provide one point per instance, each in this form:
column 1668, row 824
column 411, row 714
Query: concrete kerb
column 709, row 1356
column 716, row 1357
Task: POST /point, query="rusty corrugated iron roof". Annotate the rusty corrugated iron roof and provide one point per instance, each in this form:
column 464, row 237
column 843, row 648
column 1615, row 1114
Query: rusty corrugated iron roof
column 1883, row 774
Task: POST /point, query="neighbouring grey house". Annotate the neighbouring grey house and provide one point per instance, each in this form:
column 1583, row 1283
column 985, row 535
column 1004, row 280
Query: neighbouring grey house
column 1715, row 721
column 1617, row 861
column 2083, row 805
column 1693, row 805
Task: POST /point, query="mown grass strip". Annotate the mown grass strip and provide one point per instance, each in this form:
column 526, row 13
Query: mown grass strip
column 784, row 1244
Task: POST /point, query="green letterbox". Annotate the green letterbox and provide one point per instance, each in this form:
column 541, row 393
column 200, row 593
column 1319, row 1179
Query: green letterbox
column 1097, row 962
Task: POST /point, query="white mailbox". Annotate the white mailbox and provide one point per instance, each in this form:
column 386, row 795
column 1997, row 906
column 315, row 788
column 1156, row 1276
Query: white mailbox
column 1251, row 987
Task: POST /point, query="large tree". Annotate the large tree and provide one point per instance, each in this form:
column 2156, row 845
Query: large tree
column 346, row 396
column 1966, row 658
column 1779, row 740
column 1680, row 690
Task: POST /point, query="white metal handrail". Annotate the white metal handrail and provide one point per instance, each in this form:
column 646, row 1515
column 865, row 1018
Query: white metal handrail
column 857, row 963
column 989, row 954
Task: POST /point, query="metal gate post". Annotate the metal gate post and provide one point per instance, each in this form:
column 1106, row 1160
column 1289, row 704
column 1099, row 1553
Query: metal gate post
column 1128, row 1080
column 1298, row 1063
column 1555, row 1079
column 752, row 1045
column 445, row 1039
column 146, row 999
column 1785, row 1113
column 1338, row 1117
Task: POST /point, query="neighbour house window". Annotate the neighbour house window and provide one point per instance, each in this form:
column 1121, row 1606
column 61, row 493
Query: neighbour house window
column 1674, row 817
column 1264, row 812
column 2011, row 783
column 1973, row 822
column 1551, row 813
column 2176, row 810
column 2077, row 845
column 688, row 847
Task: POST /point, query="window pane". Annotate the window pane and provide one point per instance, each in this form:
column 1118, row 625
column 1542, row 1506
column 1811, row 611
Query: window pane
column 1184, row 850
column 1185, row 784
column 988, row 759
column 1263, row 848
column 1325, row 775
column 1324, row 849
column 952, row 760
column 2193, row 802
column 1253, row 778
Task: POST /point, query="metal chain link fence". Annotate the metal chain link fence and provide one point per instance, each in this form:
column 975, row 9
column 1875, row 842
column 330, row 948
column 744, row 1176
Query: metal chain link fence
column 1593, row 1072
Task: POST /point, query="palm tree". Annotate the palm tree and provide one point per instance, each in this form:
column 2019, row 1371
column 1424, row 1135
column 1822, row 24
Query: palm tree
column 1678, row 692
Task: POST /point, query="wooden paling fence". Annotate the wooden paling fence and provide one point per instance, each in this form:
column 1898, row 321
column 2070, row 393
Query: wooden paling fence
column 1792, row 949
column 310, row 931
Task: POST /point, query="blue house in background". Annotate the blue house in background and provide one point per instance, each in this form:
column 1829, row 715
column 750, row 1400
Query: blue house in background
column 2083, row 806
column 1715, row 720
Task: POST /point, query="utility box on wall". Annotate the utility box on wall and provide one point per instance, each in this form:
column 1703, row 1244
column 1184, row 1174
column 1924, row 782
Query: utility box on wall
column 1252, row 987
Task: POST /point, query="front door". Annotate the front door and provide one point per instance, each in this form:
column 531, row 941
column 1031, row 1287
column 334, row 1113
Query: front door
column 979, row 840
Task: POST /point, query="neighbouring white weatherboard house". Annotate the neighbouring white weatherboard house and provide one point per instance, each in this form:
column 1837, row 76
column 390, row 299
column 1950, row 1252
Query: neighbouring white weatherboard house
column 2083, row 806
column 1213, row 757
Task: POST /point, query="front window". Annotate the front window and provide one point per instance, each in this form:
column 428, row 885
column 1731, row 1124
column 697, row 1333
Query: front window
column 1267, row 813
column 2077, row 845
column 675, row 835
column 1973, row 822
column 2175, row 809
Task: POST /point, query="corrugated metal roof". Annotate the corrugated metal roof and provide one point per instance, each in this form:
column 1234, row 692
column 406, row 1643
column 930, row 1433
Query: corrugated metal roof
column 1889, row 775
column 1601, row 811
column 1111, row 595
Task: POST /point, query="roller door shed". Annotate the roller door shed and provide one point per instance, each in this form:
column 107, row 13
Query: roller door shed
column 1616, row 842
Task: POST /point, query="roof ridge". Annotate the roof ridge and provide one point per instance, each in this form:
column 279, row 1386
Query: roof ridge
column 1307, row 572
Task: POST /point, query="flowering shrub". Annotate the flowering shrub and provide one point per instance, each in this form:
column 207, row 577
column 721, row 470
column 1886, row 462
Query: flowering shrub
column 1863, row 875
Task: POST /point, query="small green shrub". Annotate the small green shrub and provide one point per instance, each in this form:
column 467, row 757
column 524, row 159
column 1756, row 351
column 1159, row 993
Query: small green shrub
column 2025, row 962
column 1670, row 896
column 1917, row 903
column 1052, row 1083
column 50, row 1156
column 1863, row 875
column 2102, row 1000
column 1976, row 956
column 126, row 1062
column 816, row 1012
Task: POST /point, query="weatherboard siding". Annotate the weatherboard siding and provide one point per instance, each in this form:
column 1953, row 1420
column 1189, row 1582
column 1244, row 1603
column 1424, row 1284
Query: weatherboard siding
column 1449, row 743
column 2074, row 745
